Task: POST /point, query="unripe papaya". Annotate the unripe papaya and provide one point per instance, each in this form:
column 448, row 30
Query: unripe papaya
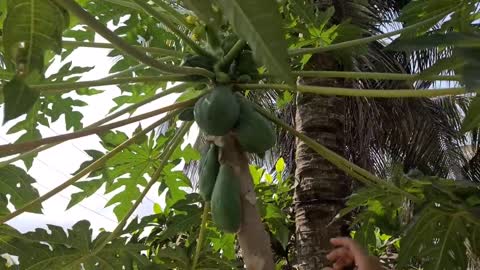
column 199, row 61
column 246, row 64
column 186, row 115
column 217, row 113
column 254, row 132
column 226, row 204
column 209, row 167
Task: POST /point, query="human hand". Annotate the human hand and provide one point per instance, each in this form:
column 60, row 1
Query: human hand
column 348, row 253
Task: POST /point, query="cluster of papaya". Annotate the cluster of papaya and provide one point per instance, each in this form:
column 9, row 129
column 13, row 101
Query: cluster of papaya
column 242, row 69
column 223, row 112
column 218, row 113
column 219, row 185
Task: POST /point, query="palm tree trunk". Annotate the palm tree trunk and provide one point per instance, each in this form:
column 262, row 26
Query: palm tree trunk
column 320, row 187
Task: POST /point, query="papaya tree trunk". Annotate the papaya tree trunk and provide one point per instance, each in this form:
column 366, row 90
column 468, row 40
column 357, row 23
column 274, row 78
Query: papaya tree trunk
column 321, row 188
column 252, row 237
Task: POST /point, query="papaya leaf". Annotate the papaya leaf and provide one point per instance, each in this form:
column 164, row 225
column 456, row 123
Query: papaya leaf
column 88, row 189
column 19, row 98
column 17, row 184
column 69, row 248
column 30, row 29
column 472, row 119
column 259, row 23
column 65, row 106
column 437, row 239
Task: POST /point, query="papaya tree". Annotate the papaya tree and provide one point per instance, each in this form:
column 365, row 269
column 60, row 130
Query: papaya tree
column 220, row 55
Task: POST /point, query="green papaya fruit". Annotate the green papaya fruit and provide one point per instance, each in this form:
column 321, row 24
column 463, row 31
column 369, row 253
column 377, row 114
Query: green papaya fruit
column 254, row 132
column 226, row 206
column 186, row 115
column 246, row 64
column 199, row 61
column 217, row 113
column 209, row 167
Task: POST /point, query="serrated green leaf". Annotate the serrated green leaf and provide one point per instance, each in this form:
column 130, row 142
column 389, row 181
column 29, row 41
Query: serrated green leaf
column 66, row 107
column 472, row 119
column 88, row 189
column 19, row 98
column 17, row 184
column 252, row 20
column 31, row 28
column 68, row 250
column 436, row 240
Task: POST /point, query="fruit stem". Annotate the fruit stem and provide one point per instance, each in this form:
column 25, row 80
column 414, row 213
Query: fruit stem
column 232, row 54
column 201, row 235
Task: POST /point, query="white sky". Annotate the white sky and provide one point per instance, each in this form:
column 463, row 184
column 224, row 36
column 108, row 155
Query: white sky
column 54, row 166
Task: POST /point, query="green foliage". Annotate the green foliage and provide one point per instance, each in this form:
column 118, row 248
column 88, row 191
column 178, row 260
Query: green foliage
column 206, row 12
column 250, row 20
column 18, row 97
column 17, row 184
column 472, row 119
column 57, row 249
column 446, row 212
column 30, row 29
column 444, row 219
column 130, row 170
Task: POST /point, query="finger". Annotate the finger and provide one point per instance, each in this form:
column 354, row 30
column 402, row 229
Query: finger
column 339, row 253
column 342, row 263
column 357, row 251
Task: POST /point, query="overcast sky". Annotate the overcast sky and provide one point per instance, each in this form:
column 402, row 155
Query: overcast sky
column 54, row 166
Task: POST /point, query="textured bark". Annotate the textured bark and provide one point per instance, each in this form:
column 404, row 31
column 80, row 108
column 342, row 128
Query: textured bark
column 252, row 237
column 320, row 187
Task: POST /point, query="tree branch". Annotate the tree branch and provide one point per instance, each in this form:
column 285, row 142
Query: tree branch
column 375, row 76
column 201, row 234
column 350, row 92
column 232, row 54
column 177, row 88
column 102, row 30
column 10, row 149
column 152, row 50
column 68, row 86
column 95, row 165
